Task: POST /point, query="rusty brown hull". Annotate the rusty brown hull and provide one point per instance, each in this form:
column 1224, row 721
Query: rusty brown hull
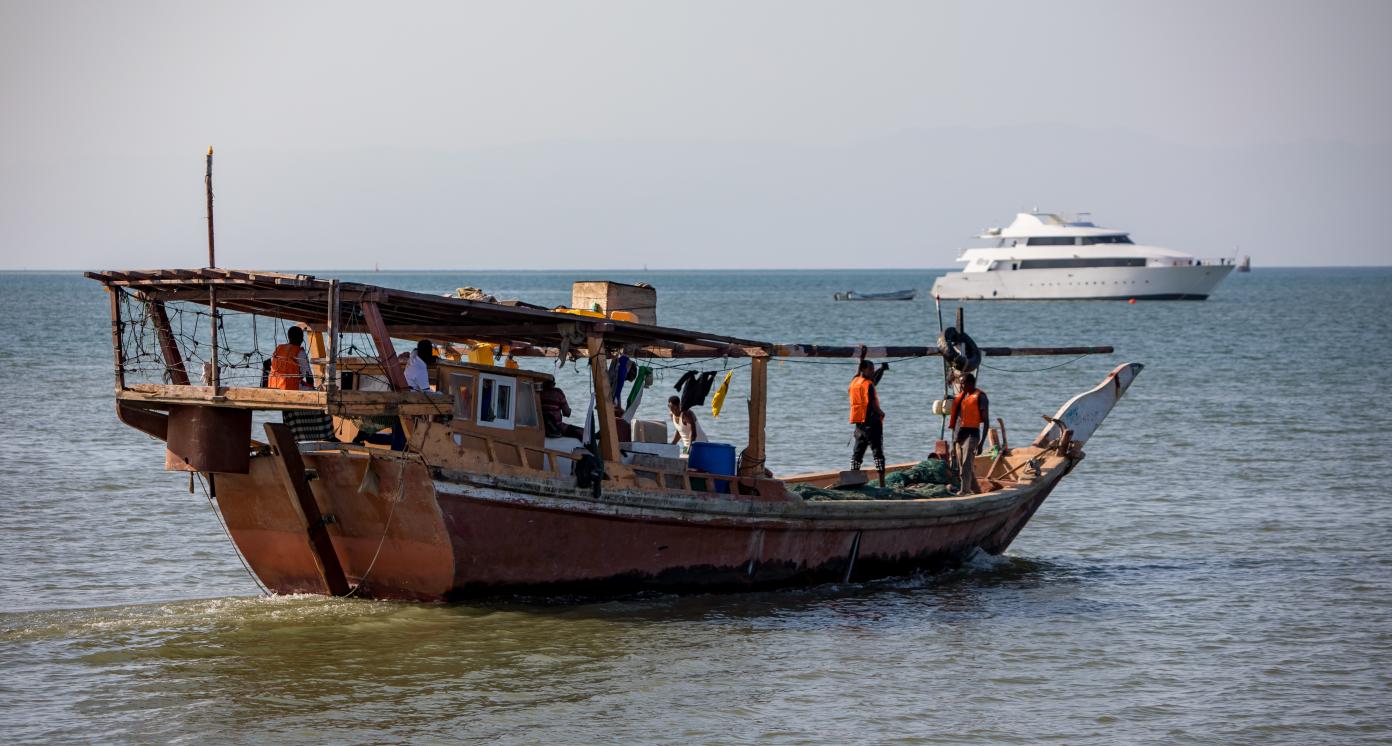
column 401, row 532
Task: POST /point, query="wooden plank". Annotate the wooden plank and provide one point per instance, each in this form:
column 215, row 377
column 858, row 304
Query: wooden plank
column 604, row 401
column 292, row 473
column 116, row 346
column 752, row 461
column 825, row 351
column 385, row 351
column 317, row 351
column 341, row 404
column 169, row 348
column 243, row 397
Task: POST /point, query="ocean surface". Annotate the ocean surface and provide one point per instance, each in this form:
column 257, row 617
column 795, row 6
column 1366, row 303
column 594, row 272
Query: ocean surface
column 1218, row 570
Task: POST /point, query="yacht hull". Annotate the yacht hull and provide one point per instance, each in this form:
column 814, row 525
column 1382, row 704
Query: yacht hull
column 1092, row 283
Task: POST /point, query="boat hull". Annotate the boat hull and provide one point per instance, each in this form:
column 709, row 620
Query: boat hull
column 1093, row 283
column 450, row 539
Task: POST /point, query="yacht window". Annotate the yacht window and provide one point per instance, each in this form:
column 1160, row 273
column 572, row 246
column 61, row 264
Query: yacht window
column 1090, row 240
column 1080, row 263
column 1052, row 241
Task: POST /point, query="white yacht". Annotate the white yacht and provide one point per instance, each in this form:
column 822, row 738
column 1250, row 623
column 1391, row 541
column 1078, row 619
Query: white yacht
column 1045, row 256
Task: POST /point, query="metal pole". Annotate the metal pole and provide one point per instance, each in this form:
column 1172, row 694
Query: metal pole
column 331, row 367
column 212, row 262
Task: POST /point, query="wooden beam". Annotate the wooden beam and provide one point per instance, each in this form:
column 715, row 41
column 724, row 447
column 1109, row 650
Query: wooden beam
column 244, row 398
column 292, row 474
column 827, row 351
column 117, row 349
column 317, row 351
column 604, row 401
column 334, row 322
column 752, row 460
column 341, row 403
column 385, row 351
column 169, row 348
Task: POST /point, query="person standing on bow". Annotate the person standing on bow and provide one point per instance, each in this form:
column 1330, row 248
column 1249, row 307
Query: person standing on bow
column 970, row 419
column 868, row 418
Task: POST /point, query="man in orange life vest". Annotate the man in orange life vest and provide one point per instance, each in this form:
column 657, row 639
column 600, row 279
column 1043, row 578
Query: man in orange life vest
column 289, row 363
column 868, row 418
column 971, row 417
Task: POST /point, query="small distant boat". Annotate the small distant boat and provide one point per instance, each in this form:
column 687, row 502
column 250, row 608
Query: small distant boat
column 896, row 295
column 1246, row 265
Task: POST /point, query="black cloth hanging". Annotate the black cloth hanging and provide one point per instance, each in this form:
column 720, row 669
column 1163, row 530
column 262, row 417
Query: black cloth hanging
column 694, row 388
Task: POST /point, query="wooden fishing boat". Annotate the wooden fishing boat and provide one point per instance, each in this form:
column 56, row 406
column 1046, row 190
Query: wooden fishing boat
column 480, row 501
column 893, row 295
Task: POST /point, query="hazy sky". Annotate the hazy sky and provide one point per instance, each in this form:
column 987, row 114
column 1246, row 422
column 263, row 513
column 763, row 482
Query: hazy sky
column 108, row 104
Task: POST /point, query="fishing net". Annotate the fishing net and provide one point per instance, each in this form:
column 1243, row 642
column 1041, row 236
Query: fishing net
column 926, row 479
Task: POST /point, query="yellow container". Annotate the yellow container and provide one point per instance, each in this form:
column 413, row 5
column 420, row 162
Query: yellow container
column 623, row 316
column 482, row 354
column 581, row 312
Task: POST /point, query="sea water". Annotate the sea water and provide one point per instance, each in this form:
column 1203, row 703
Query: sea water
column 1216, row 570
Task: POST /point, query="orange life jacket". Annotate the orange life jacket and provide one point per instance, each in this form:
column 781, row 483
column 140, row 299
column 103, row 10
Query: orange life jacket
column 861, row 398
column 285, row 368
column 967, row 409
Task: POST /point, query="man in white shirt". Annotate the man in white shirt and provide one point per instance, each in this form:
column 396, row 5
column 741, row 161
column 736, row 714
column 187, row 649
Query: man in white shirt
column 417, row 372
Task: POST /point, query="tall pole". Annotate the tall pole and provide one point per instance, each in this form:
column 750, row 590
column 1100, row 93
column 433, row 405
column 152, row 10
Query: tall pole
column 212, row 262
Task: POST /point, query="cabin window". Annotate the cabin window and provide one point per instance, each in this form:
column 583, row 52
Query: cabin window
column 1082, row 263
column 495, row 400
column 1052, row 241
column 1090, row 240
column 527, row 405
column 462, row 386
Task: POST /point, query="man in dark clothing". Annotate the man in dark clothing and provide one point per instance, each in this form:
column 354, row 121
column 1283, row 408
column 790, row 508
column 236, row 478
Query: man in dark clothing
column 868, row 418
column 554, row 410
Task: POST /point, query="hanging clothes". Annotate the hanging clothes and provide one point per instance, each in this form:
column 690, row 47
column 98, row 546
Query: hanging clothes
column 618, row 376
column 719, row 399
column 694, row 388
column 641, row 381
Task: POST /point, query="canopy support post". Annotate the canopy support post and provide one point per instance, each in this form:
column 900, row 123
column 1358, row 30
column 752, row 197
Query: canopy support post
column 752, row 459
column 604, row 400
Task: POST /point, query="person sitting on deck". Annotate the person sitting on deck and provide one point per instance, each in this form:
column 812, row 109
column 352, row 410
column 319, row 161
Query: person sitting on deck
column 868, row 418
column 971, row 417
column 417, row 370
column 554, row 410
column 688, row 428
column 290, row 369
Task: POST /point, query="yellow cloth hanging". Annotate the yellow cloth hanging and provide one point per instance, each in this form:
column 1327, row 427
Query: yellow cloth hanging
column 719, row 399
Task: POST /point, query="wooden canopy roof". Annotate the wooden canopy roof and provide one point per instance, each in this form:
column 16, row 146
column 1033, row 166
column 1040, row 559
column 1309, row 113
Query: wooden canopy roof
column 411, row 315
column 529, row 329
